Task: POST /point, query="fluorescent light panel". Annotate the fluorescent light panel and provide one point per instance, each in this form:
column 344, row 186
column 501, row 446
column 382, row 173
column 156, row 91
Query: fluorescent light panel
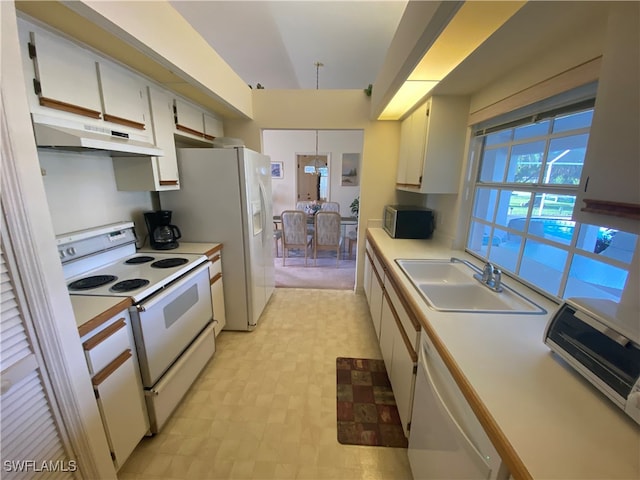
column 470, row 27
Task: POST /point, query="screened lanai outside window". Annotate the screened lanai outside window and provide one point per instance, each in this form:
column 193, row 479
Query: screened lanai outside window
column 523, row 203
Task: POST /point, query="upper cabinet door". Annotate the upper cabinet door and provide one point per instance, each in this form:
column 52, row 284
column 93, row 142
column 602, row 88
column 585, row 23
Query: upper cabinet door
column 212, row 127
column 123, row 96
column 65, row 75
column 188, row 119
column 432, row 142
column 609, row 193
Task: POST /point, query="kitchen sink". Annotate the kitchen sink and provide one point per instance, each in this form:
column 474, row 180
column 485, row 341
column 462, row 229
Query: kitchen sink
column 450, row 286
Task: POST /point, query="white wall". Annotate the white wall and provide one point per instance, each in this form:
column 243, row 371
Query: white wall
column 285, row 145
column 81, row 193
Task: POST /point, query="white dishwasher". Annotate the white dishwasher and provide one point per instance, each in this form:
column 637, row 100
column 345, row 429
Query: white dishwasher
column 446, row 440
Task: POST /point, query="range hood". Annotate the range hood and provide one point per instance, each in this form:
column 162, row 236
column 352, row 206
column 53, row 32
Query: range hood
column 73, row 135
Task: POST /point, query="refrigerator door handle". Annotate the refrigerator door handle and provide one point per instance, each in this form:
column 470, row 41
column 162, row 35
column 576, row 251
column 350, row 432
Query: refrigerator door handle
column 263, row 205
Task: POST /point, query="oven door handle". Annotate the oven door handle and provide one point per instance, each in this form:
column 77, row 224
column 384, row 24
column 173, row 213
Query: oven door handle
column 145, row 305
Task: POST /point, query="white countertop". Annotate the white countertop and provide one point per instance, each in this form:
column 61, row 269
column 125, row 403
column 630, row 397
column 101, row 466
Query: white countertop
column 94, row 308
column 558, row 425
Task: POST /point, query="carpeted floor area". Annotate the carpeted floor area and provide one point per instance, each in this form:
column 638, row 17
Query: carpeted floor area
column 366, row 408
column 324, row 275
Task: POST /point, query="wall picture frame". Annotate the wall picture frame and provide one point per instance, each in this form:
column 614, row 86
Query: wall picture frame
column 350, row 169
column 277, row 170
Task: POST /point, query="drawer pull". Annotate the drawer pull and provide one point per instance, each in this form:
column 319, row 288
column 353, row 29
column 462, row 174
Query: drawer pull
column 217, row 277
column 100, row 337
column 103, row 374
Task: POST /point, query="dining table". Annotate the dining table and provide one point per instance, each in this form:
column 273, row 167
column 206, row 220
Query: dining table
column 344, row 223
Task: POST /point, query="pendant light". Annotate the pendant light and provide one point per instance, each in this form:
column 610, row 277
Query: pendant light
column 317, row 164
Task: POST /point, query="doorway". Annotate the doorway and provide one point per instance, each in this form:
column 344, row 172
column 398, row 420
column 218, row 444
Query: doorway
column 312, row 185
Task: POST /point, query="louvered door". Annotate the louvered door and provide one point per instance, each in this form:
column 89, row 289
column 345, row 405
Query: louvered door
column 31, row 444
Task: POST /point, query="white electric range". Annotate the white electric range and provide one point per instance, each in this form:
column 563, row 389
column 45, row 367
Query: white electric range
column 171, row 314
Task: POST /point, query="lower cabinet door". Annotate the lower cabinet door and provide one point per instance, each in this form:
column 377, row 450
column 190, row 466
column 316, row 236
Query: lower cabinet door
column 402, row 378
column 387, row 327
column 122, row 406
column 217, row 301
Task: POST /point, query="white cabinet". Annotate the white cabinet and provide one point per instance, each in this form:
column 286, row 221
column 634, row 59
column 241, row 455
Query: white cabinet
column 194, row 125
column 113, row 365
column 152, row 173
column 398, row 335
column 123, row 96
column 217, row 291
column 188, row 119
column 399, row 358
column 376, row 288
column 368, row 271
column 432, row 144
column 63, row 74
column 610, row 185
column 410, row 158
column 213, row 127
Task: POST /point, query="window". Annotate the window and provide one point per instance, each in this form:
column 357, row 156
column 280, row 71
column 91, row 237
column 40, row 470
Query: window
column 523, row 202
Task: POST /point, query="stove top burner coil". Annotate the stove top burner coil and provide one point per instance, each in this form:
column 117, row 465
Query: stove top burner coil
column 95, row 281
column 128, row 285
column 139, row 259
column 169, row 262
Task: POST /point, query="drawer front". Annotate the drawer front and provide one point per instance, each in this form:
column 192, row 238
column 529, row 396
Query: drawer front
column 102, row 347
column 216, row 265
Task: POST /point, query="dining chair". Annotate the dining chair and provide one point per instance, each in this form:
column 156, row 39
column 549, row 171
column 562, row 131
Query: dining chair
column 294, row 233
column 330, row 207
column 328, row 234
column 277, row 237
column 302, row 205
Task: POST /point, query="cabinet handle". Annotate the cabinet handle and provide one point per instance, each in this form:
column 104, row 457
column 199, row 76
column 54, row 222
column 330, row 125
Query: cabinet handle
column 217, row 277
column 215, row 258
column 182, row 128
column 123, row 121
column 100, row 337
column 103, row 374
column 168, row 182
column 69, row 107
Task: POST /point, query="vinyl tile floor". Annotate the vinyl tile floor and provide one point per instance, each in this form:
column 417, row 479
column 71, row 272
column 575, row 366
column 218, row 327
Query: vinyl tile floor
column 265, row 405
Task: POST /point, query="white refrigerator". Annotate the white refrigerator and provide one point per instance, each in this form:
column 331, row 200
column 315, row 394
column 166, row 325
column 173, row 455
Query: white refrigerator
column 225, row 197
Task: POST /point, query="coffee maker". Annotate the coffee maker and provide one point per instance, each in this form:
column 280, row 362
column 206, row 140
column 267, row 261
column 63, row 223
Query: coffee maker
column 162, row 235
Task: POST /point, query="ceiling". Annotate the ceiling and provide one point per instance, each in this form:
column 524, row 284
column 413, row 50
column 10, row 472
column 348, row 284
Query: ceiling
column 277, row 44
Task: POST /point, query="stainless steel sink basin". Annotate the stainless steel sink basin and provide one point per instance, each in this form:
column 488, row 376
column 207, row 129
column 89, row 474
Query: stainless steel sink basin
column 449, row 286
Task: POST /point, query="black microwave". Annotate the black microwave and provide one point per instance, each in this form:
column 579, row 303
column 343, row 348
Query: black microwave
column 405, row 221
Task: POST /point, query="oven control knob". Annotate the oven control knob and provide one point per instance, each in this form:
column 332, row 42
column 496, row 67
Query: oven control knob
column 62, row 254
column 71, row 251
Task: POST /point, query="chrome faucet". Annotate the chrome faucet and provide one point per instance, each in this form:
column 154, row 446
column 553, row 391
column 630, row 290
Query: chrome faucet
column 491, row 277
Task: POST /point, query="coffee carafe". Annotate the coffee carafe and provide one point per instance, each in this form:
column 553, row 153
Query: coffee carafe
column 162, row 235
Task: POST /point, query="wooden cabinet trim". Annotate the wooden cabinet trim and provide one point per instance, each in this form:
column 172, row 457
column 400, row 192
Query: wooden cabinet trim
column 103, row 374
column 105, row 316
column 124, row 121
column 69, row 107
column 506, row 451
column 216, row 277
column 616, row 209
column 182, row 128
column 213, row 251
column 101, row 336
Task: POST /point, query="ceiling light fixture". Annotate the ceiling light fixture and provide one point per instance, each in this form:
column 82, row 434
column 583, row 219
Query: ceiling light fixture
column 317, row 165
